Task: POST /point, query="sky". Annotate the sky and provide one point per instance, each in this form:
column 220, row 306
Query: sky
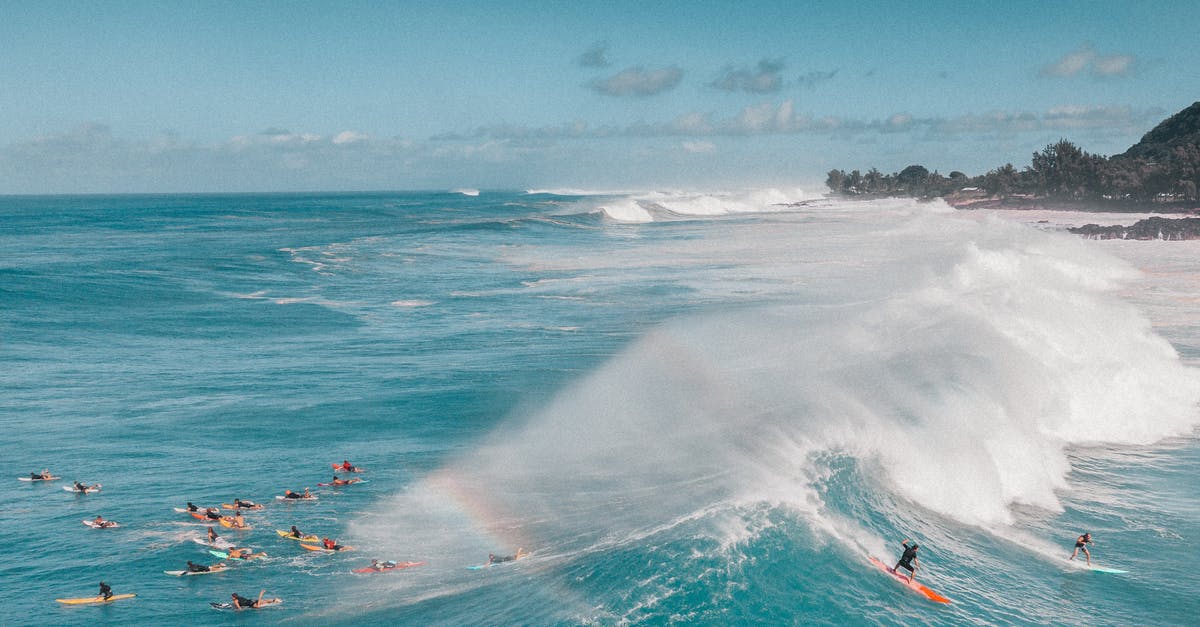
column 148, row 97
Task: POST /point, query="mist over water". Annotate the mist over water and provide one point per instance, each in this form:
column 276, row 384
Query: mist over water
column 859, row 365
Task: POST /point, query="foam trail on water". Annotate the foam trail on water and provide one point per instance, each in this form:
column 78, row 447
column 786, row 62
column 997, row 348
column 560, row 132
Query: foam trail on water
column 954, row 361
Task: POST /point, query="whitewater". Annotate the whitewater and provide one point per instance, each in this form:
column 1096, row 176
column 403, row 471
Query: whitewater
column 688, row 408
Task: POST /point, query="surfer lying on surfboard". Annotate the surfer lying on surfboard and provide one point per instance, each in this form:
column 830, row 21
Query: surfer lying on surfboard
column 908, row 560
column 496, row 559
column 1081, row 543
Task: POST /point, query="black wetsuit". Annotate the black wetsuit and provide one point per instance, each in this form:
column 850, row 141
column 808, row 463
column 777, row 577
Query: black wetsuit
column 244, row 602
column 105, row 591
column 910, row 553
column 292, row 495
column 197, row 568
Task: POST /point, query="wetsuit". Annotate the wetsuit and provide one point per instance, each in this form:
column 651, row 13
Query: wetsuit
column 292, row 495
column 910, row 553
column 197, row 568
column 105, row 591
column 244, row 602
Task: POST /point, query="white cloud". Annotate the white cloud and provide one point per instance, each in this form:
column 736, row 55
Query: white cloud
column 350, row 137
column 1086, row 59
column 637, row 81
column 1113, row 65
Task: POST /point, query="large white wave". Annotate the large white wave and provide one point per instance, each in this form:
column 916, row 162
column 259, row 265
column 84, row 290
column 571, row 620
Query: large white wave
column 957, row 360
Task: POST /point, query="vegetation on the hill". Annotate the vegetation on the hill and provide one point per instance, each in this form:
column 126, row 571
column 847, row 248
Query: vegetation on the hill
column 1163, row 166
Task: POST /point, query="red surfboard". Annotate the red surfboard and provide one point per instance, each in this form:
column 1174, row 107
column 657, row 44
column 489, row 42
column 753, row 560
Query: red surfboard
column 924, row 590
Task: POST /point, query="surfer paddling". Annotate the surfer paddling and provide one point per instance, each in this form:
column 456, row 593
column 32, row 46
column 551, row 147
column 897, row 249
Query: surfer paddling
column 496, row 559
column 1081, row 543
column 908, row 560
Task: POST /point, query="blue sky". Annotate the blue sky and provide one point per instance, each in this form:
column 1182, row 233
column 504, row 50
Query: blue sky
column 275, row 96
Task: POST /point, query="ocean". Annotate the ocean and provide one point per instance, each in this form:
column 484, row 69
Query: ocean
column 686, row 408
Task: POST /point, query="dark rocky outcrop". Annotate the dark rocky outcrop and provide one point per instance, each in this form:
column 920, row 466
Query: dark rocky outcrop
column 1150, row 228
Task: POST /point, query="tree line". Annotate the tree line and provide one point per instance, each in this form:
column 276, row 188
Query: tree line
column 1061, row 171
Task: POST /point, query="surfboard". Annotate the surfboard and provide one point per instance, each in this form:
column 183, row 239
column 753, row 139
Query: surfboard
column 398, row 566
column 289, row 536
column 225, row 556
column 229, row 606
column 96, row 600
column 912, row 585
column 31, row 479
column 312, row 547
column 111, row 524
column 221, row 543
column 229, row 524
column 303, row 498
column 91, row 488
column 255, row 507
column 1101, row 569
column 187, row 573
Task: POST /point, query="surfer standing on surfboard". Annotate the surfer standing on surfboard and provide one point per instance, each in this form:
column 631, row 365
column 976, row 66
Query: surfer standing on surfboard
column 1081, row 543
column 908, row 560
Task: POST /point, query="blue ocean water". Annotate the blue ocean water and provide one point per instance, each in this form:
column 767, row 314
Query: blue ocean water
column 688, row 408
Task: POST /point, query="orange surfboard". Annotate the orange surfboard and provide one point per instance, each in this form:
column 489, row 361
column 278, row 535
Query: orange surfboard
column 924, row 590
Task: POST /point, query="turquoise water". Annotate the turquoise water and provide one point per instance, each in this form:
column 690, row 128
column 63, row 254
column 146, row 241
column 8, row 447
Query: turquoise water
column 685, row 414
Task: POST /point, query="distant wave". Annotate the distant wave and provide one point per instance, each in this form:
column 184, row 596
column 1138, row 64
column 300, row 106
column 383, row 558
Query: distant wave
column 465, row 191
column 651, row 206
column 569, row 191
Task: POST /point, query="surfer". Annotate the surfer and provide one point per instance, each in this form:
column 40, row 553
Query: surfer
column 191, row 507
column 240, row 602
column 80, row 488
column 240, row 504
column 100, row 522
column 908, row 560
column 212, row 513
column 296, row 532
column 105, row 591
column 41, row 476
column 212, row 536
column 377, row 565
column 332, row 545
column 197, row 568
column 348, row 467
column 239, row 521
column 1081, row 543
column 496, row 559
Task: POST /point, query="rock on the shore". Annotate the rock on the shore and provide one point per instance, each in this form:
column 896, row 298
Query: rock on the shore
column 1150, row 228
